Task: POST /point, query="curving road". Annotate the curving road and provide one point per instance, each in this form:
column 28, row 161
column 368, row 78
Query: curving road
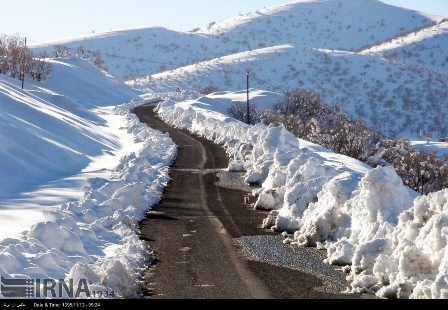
column 208, row 244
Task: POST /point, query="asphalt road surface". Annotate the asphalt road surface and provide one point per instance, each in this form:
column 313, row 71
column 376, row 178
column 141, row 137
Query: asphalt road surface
column 208, row 244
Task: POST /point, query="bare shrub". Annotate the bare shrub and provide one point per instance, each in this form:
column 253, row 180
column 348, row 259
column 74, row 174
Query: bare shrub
column 41, row 68
column 422, row 171
column 99, row 62
column 209, row 89
column 296, row 110
column 61, row 51
column 82, row 52
column 344, row 135
column 17, row 60
column 305, row 103
column 238, row 110
column 303, row 114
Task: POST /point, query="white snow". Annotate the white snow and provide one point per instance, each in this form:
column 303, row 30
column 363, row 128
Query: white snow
column 79, row 171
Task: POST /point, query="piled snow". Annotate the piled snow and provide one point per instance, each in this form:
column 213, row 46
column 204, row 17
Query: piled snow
column 96, row 238
column 60, row 145
column 390, row 240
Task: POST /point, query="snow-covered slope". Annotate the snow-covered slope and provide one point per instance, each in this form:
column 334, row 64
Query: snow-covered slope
column 342, row 25
column 425, row 48
column 30, row 117
column 78, row 171
column 383, row 64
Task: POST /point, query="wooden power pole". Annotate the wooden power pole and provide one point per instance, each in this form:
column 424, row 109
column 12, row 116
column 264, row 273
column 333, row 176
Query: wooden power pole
column 23, row 64
column 248, row 108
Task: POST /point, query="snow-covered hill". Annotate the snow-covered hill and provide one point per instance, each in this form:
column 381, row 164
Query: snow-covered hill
column 29, row 118
column 425, row 48
column 383, row 64
column 341, row 25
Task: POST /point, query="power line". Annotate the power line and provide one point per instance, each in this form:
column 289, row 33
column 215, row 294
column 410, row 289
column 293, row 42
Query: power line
column 104, row 54
column 252, row 75
column 164, row 63
column 275, row 87
column 148, row 60
column 92, row 52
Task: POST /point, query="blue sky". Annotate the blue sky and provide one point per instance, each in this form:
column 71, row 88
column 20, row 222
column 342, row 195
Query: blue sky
column 49, row 20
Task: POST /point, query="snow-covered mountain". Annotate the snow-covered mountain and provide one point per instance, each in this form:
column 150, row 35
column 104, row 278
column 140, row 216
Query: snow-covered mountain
column 380, row 63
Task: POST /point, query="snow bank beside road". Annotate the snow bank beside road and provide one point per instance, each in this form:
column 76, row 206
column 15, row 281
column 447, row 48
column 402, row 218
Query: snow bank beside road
column 389, row 239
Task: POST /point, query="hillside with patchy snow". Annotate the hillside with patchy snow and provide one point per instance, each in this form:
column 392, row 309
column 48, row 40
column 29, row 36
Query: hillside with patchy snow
column 423, row 48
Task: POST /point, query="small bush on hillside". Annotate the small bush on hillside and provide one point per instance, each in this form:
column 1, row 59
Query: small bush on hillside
column 61, row 51
column 82, row 53
column 99, row 62
column 304, row 102
column 209, row 89
column 41, row 68
column 293, row 123
column 238, row 110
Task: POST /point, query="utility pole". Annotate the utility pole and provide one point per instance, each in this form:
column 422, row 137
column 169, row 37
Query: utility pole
column 248, row 108
column 23, row 63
